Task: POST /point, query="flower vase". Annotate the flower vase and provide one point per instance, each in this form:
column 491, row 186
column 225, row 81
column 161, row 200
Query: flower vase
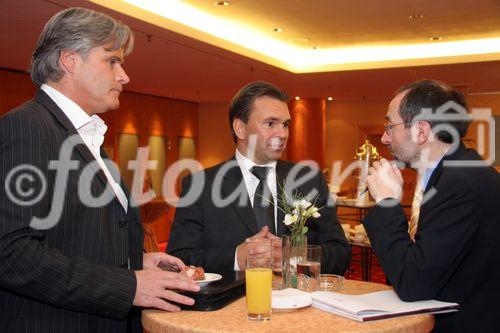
column 291, row 247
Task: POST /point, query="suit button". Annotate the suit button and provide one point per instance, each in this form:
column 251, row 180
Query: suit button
column 122, row 222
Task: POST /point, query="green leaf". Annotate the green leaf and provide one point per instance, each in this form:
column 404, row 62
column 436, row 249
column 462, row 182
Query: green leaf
column 304, row 230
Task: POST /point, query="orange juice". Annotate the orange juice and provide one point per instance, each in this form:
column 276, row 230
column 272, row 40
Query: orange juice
column 258, row 287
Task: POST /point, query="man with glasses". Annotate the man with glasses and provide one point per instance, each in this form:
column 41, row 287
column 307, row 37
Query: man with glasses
column 447, row 250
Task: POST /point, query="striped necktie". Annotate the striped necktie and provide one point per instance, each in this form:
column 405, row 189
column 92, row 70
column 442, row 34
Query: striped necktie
column 415, row 208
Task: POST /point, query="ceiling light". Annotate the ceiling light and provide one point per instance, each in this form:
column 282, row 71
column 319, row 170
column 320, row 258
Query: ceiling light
column 436, row 38
column 277, row 29
column 297, row 98
column 222, row 3
column 330, row 98
column 178, row 16
column 416, row 16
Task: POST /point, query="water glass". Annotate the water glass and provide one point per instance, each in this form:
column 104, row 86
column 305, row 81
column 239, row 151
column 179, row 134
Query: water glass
column 309, row 267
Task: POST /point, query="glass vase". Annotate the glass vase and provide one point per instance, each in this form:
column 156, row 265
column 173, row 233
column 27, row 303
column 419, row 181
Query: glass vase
column 291, row 252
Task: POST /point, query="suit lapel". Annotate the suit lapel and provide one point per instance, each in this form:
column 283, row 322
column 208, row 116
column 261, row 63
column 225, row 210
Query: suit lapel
column 433, row 180
column 232, row 183
column 76, row 140
column 439, row 168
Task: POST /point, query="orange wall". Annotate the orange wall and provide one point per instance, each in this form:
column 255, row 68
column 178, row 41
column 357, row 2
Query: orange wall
column 15, row 88
column 148, row 115
column 348, row 123
column 484, row 101
column 138, row 114
column 215, row 141
column 307, row 131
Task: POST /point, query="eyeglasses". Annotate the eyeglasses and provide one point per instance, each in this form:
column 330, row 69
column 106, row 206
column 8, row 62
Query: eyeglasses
column 388, row 127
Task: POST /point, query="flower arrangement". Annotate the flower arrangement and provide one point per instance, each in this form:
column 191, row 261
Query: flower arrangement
column 297, row 211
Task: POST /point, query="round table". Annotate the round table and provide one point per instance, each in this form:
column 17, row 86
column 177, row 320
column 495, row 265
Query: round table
column 232, row 318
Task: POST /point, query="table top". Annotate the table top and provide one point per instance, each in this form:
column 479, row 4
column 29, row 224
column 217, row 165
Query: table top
column 232, row 318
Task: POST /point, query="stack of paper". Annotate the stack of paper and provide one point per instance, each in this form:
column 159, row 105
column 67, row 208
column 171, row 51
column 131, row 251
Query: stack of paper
column 377, row 305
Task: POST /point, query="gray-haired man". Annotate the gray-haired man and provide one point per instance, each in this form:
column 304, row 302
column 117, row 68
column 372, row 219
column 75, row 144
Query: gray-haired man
column 71, row 255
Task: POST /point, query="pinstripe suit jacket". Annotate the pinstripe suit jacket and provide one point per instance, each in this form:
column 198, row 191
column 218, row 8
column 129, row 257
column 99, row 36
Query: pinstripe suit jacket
column 72, row 277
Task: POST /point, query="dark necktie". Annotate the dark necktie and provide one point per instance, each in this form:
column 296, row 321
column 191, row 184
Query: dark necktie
column 263, row 202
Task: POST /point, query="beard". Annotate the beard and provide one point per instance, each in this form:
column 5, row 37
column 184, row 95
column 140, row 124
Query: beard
column 406, row 153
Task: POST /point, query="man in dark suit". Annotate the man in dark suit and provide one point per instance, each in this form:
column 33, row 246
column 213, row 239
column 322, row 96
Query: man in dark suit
column 217, row 224
column 71, row 256
column 447, row 250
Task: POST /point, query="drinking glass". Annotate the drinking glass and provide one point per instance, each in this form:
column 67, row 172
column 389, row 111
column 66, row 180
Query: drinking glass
column 308, row 267
column 331, row 282
column 259, row 277
column 277, row 264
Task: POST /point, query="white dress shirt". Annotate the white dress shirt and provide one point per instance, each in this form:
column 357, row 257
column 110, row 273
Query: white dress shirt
column 251, row 183
column 91, row 129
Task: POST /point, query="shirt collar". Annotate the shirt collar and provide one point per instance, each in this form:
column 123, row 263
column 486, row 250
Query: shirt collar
column 430, row 170
column 73, row 111
column 246, row 164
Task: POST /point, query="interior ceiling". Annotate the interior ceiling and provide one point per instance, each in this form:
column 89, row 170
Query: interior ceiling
column 165, row 63
column 333, row 34
column 334, row 23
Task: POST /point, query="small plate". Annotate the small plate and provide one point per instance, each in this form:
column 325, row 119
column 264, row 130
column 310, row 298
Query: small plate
column 290, row 299
column 209, row 277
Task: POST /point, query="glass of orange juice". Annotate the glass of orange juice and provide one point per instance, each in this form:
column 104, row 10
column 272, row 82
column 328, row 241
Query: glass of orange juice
column 259, row 278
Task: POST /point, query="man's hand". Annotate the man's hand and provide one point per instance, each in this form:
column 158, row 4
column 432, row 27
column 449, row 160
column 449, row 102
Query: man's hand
column 154, row 289
column 384, row 180
column 156, row 282
column 160, row 260
column 257, row 246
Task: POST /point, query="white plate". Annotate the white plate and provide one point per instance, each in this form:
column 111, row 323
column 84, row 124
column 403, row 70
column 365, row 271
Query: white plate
column 209, row 277
column 290, row 299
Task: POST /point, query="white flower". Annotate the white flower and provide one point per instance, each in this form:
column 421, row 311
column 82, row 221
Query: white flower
column 312, row 211
column 290, row 219
column 305, row 204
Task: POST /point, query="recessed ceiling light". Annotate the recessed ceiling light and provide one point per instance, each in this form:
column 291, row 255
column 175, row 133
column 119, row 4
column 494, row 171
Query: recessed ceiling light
column 277, row 29
column 436, row 38
column 416, row 16
column 330, row 98
column 222, row 3
column 297, row 98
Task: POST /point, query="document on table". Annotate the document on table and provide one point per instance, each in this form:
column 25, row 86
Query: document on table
column 377, row 305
